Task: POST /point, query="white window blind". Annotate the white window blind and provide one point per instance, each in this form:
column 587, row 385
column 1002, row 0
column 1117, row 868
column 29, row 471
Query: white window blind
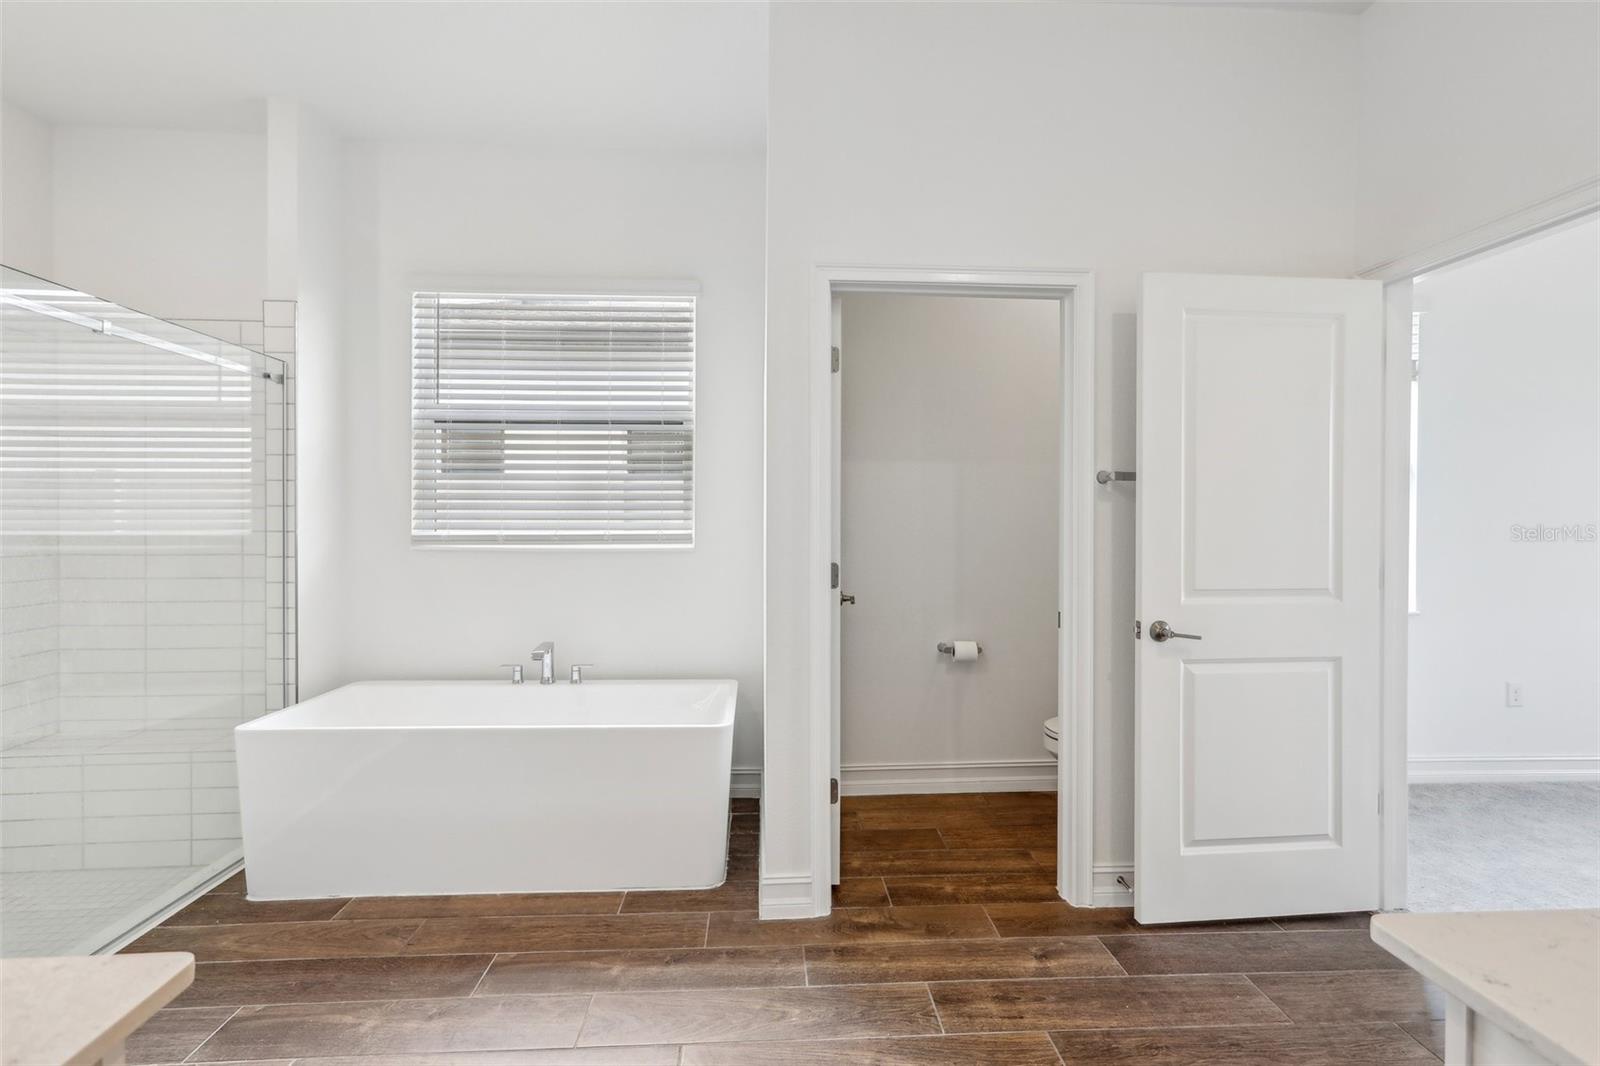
column 552, row 419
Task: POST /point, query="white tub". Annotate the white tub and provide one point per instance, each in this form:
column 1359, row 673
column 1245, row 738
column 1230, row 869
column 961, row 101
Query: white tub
column 426, row 788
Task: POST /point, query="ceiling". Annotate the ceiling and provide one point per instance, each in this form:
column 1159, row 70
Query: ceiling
column 580, row 74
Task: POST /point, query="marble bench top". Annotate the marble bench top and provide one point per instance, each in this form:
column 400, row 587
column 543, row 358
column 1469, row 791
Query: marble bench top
column 77, row 1010
column 1536, row 974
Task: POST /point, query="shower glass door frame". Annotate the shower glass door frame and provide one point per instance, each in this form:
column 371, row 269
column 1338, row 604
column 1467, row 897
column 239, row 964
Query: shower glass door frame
column 146, row 554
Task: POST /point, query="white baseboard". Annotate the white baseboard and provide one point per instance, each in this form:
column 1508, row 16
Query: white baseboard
column 1464, row 769
column 1000, row 775
column 872, row 779
column 746, row 782
column 1107, row 893
column 787, row 896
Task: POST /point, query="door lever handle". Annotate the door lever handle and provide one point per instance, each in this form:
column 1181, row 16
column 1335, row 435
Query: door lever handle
column 1160, row 632
column 846, row 598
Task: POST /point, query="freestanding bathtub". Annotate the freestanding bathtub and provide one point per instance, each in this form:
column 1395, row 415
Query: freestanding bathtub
column 390, row 788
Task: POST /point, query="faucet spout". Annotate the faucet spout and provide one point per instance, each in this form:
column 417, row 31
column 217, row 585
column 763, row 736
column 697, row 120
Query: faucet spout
column 545, row 656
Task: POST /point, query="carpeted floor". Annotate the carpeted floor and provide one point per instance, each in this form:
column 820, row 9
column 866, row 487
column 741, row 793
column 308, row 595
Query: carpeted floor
column 1504, row 847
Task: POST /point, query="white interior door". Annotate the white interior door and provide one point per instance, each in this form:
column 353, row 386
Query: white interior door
column 837, row 422
column 1259, row 534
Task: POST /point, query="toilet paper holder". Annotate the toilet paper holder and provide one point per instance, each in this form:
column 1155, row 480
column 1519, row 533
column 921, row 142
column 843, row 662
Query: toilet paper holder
column 947, row 647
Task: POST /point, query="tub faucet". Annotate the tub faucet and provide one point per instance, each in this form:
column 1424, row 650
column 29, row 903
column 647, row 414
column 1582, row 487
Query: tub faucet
column 545, row 655
column 516, row 672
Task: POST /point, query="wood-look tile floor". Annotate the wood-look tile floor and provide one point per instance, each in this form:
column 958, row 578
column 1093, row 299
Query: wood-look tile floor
column 947, row 945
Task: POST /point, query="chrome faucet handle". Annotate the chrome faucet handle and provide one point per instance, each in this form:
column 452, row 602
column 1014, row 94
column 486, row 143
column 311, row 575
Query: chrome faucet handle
column 516, row 672
column 576, row 676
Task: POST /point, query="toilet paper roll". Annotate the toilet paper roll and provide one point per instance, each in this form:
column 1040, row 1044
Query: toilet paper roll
column 966, row 650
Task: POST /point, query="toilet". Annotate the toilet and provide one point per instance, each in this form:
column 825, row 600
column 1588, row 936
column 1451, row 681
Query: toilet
column 1052, row 736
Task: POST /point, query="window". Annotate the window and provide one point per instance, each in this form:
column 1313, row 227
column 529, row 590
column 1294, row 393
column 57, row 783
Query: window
column 1416, row 374
column 552, row 419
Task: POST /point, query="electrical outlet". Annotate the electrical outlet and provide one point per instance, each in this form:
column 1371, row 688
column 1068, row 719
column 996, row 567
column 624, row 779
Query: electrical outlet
column 1513, row 693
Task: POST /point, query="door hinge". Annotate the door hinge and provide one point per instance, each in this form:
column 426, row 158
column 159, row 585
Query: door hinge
column 835, row 573
column 833, row 790
column 835, row 351
column 1058, row 619
column 1138, row 629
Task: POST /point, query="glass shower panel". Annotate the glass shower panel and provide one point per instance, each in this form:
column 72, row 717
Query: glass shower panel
column 142, row 568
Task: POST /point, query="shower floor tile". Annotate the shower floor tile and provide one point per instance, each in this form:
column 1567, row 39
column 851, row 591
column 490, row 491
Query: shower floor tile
column 60, row 912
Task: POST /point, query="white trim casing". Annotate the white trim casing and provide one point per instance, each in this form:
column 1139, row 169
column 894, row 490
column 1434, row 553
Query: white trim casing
column 1075, row 291
column 1563, row 207
column 1504, row 769
column 1395, row 569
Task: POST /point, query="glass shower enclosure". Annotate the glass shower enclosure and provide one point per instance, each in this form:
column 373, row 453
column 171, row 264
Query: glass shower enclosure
column 143, row 564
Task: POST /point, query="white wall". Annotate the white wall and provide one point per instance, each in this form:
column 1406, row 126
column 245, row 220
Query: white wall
column 1510, row 435
column 1470, row 111
column 951, row 482
column 421, row 215
column 169, row 222
column 305, row 263
column 26, row 191
column 1117, row 138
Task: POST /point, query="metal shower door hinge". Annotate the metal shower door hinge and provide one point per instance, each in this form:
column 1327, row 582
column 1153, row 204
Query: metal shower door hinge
column 835, row 573
column 833, row 790
column 835, row 351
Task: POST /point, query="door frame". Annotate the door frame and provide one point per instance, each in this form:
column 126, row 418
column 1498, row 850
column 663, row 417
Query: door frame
column 1074, row 290
column 1568, row 206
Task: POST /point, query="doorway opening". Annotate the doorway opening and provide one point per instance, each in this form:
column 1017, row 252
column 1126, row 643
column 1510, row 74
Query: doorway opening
column 954, row 502
column 949, row 489
column 1503, row 704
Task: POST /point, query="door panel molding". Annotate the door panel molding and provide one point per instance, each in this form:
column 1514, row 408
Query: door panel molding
column 1258, row 753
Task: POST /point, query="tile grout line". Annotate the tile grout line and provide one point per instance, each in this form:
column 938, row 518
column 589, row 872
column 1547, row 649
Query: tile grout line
column 1059, row 1057
column 1409, row 1035
column 706, row 944
column 1113, row 956
column 1263, row 993
column 936, row 1015
column 484, row 976
column 190, row 1057
column 577, row 1040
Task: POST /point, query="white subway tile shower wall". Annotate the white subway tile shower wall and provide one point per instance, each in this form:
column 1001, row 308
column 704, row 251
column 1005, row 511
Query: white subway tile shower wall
column 30, row 588
column 127, row 663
